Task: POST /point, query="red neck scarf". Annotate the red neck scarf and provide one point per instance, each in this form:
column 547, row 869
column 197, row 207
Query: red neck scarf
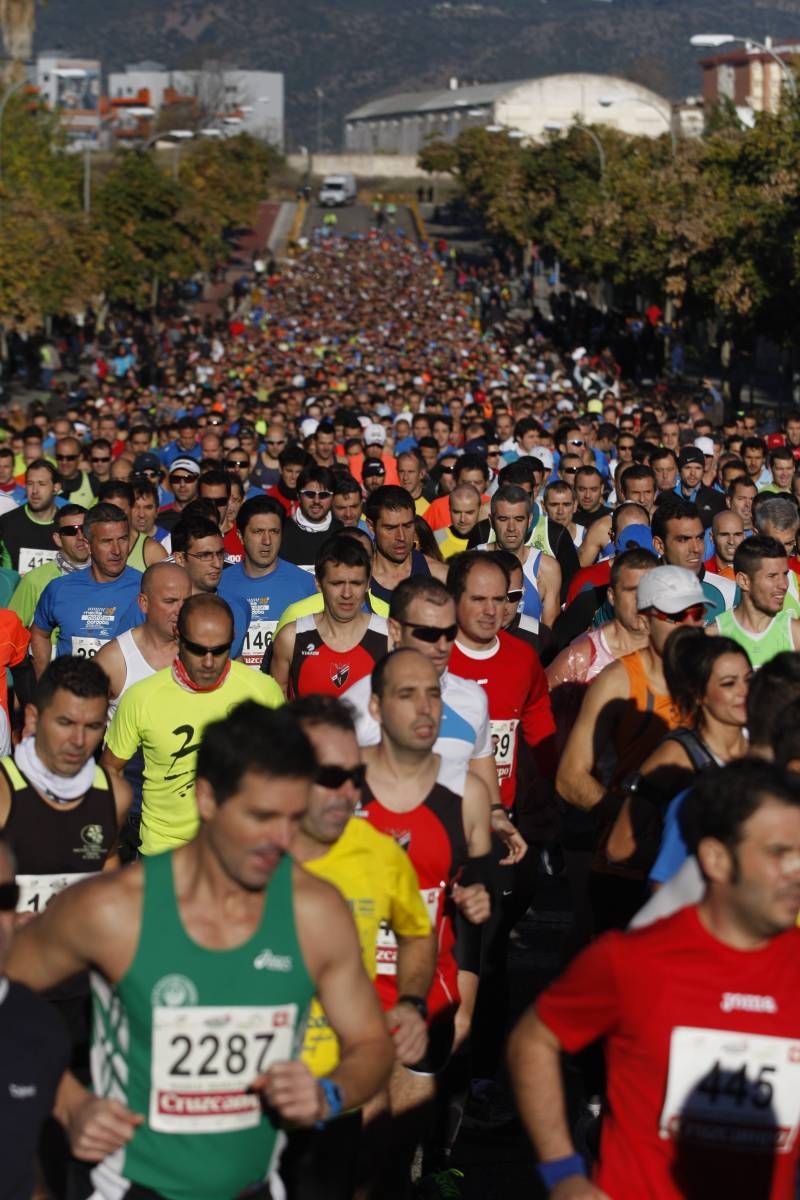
column 181, row 677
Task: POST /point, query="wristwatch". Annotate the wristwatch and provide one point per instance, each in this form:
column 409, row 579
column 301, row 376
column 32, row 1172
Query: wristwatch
column 333, row 1097
column 416, row 1002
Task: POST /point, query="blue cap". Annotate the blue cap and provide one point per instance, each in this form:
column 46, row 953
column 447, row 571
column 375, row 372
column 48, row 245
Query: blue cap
column 633, row 536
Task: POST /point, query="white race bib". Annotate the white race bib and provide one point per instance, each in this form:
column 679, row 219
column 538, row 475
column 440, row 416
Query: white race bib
column 737, row 1091
column 258, row 639
column 504, row 742
column 204, row 1058
column 386, row 954
column 36, row 891
column 87, row 647
column 29, row 558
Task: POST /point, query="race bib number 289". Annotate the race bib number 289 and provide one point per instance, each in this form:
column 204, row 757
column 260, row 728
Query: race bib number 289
column 204, row 1060
column 737, row 1091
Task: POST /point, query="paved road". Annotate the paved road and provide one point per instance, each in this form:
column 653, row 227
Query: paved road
column 355, row 218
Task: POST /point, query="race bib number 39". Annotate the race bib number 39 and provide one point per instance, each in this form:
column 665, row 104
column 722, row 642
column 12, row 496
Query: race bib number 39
column 737, row 1091
column 504, row 741
column 204, row 1059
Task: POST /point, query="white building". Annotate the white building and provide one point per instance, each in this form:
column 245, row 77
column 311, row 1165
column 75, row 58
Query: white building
column 71, row 87
column 402, row 124
column 243, row 101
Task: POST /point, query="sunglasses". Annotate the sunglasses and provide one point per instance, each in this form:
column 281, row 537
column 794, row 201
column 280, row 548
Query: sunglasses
column 202, row 651
column 182, row 478
column 70, row 530
column 220, row 502
column 148, row 471
column 576, row 442
column 238, row 462
column 333, row 777
column 9, row 897
column 311, row 495
column 431, row 633
column 282, row 442
column 100, row 460
column 571, row 470
column 515, row 595
column 695, row 612
column 446, row 471
column 67, row 457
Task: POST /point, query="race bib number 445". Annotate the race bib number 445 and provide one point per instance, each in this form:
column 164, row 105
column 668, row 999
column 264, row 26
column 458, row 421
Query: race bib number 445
column 738, row 1091
column 203, row 1060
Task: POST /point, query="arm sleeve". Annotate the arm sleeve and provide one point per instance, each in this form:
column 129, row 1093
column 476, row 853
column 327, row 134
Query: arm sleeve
column 584, row 1003
column 409, row 916
column 674, row 851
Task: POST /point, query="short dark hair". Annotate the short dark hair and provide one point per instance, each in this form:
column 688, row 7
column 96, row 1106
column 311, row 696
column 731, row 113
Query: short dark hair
column 785, row 739
column 584, row 471
column 192, row 529
column 83, row 677
column 344, row 550
column 389, row 496
column 773, row 687
column 115, row 487
column 741, row 481
column 520, row 471
column 215, row 477
column 416, row 587
column 672, row 508
column 663, row 452
column 638, row 558
column 752, row 552
column 103, row 513
column 253, row 738
column 510, row 493
column 318, row 709
column 689, row 657
column 316, row 474
column 345, row 486
column 634, row 472
column 754, row 443
column 142, row 486
column 724, row 798
column 781, row 453
column 293, row 456
column 460, row 566
column 42, row 464
column 66, row 511
column 258, row 506
column 471, row 462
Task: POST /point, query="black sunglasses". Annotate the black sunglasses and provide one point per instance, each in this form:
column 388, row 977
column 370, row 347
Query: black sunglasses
column 311, row 495
column 182, row 478
column 9, row 897
column 69, row 530
column 67, row 457
column 202, row 651
column 333, row 777
column 99, row 460
column 515, row 595
column 237, row 462
column 431, row 633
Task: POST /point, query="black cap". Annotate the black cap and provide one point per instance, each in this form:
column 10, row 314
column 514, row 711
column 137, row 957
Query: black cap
column 691, row 454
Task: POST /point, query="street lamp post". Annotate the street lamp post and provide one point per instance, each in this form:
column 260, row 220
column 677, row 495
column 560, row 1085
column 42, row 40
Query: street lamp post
column 608, row 101
column 559, row 127
column 7, row 94
column 714, row 40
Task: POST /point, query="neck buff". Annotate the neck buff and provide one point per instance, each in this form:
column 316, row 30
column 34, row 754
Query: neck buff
column 62, row 788
column 181, row 677
column 66, row 567
column 311, row 526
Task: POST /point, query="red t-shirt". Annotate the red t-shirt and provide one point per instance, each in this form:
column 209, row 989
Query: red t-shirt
column 701, row 1040
column 516, row 688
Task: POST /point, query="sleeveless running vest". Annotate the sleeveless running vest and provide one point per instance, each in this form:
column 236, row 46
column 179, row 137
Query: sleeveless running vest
column 136, row 667
column 647, row 717
column 419, row 566
column 531, row 601
column 760, row 647
column 433, row 836
column 315, row 667
column 136, row 553
column 56, row 846
column 184, row 1033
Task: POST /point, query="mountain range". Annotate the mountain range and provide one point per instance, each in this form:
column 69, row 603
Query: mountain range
column 358, row 50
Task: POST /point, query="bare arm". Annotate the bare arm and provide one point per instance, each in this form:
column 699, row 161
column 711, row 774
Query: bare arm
column 574, row 779
column 549, row 589
column 416, row 962
column 153, row 552
column 282, row 651
column 438, row 570
column 486, row 769
column 598, row 534
column 123, row 796
column 534, row 1061
column 41, row 649
column 113, row 765
column 112, row 660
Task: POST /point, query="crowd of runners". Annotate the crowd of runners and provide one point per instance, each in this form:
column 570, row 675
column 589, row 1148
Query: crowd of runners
column 330, row 629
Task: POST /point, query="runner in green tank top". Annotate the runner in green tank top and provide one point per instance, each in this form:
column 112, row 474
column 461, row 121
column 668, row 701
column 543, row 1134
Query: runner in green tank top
column 205, row 962
column 759, row 623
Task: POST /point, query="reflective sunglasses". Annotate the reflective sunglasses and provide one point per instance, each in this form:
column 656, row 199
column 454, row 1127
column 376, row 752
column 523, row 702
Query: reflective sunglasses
column 571, row 470
column 430, row 633
column 202, row 651
column 237, row 462
column 311, row 495
column 333, row 777
column 515, row 595
column 182, row 478
column 695, row 612
column 9, row 897
column 70, row 530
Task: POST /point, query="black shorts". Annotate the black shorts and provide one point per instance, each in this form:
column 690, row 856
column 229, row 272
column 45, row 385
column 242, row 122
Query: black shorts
column 441, row 1035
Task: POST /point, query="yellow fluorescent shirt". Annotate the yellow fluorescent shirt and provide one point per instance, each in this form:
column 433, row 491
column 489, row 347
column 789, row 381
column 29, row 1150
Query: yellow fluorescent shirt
column 315, row 604
column 168, row 722
column 381, row 887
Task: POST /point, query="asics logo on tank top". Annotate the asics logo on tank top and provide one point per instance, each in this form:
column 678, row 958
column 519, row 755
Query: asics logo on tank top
column 267, row 961
column 732, row 1001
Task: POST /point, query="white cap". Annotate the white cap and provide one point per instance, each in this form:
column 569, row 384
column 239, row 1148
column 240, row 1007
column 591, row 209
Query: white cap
column 374, row 435
column 705, row 444
column 579, row 353
column 669, row 588
column 308, row 426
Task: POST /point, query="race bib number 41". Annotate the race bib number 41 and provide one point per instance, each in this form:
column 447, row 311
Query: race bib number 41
column 30, row 558
column 203, row 1059
column 737, row 1091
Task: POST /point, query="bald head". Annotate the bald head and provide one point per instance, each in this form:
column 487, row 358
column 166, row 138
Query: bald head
column 164, row 589
column 407, row 701
column 465, row 507
column 159, row 573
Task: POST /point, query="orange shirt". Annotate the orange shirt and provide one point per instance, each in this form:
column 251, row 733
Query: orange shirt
column 14, row 642
column 438, row 514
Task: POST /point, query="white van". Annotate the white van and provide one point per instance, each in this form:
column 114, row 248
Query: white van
column 337, row 190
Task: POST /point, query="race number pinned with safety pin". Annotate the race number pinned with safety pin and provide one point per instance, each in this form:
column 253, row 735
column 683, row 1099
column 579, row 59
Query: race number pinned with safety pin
column 737, row 1091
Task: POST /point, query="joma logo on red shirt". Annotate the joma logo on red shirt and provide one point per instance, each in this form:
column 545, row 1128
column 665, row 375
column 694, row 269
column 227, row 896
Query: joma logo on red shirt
column 737, row 1000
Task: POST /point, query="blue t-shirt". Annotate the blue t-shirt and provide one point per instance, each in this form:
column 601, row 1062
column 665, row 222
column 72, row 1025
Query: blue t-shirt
column 239, row 608
column 674, row 851
column 266, row 597
column 87, row 613
column 172, row 451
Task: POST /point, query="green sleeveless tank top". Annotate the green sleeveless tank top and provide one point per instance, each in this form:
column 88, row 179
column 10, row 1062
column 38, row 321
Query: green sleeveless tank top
column 760, row 647
column 136, row 553
column 180, row 1038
